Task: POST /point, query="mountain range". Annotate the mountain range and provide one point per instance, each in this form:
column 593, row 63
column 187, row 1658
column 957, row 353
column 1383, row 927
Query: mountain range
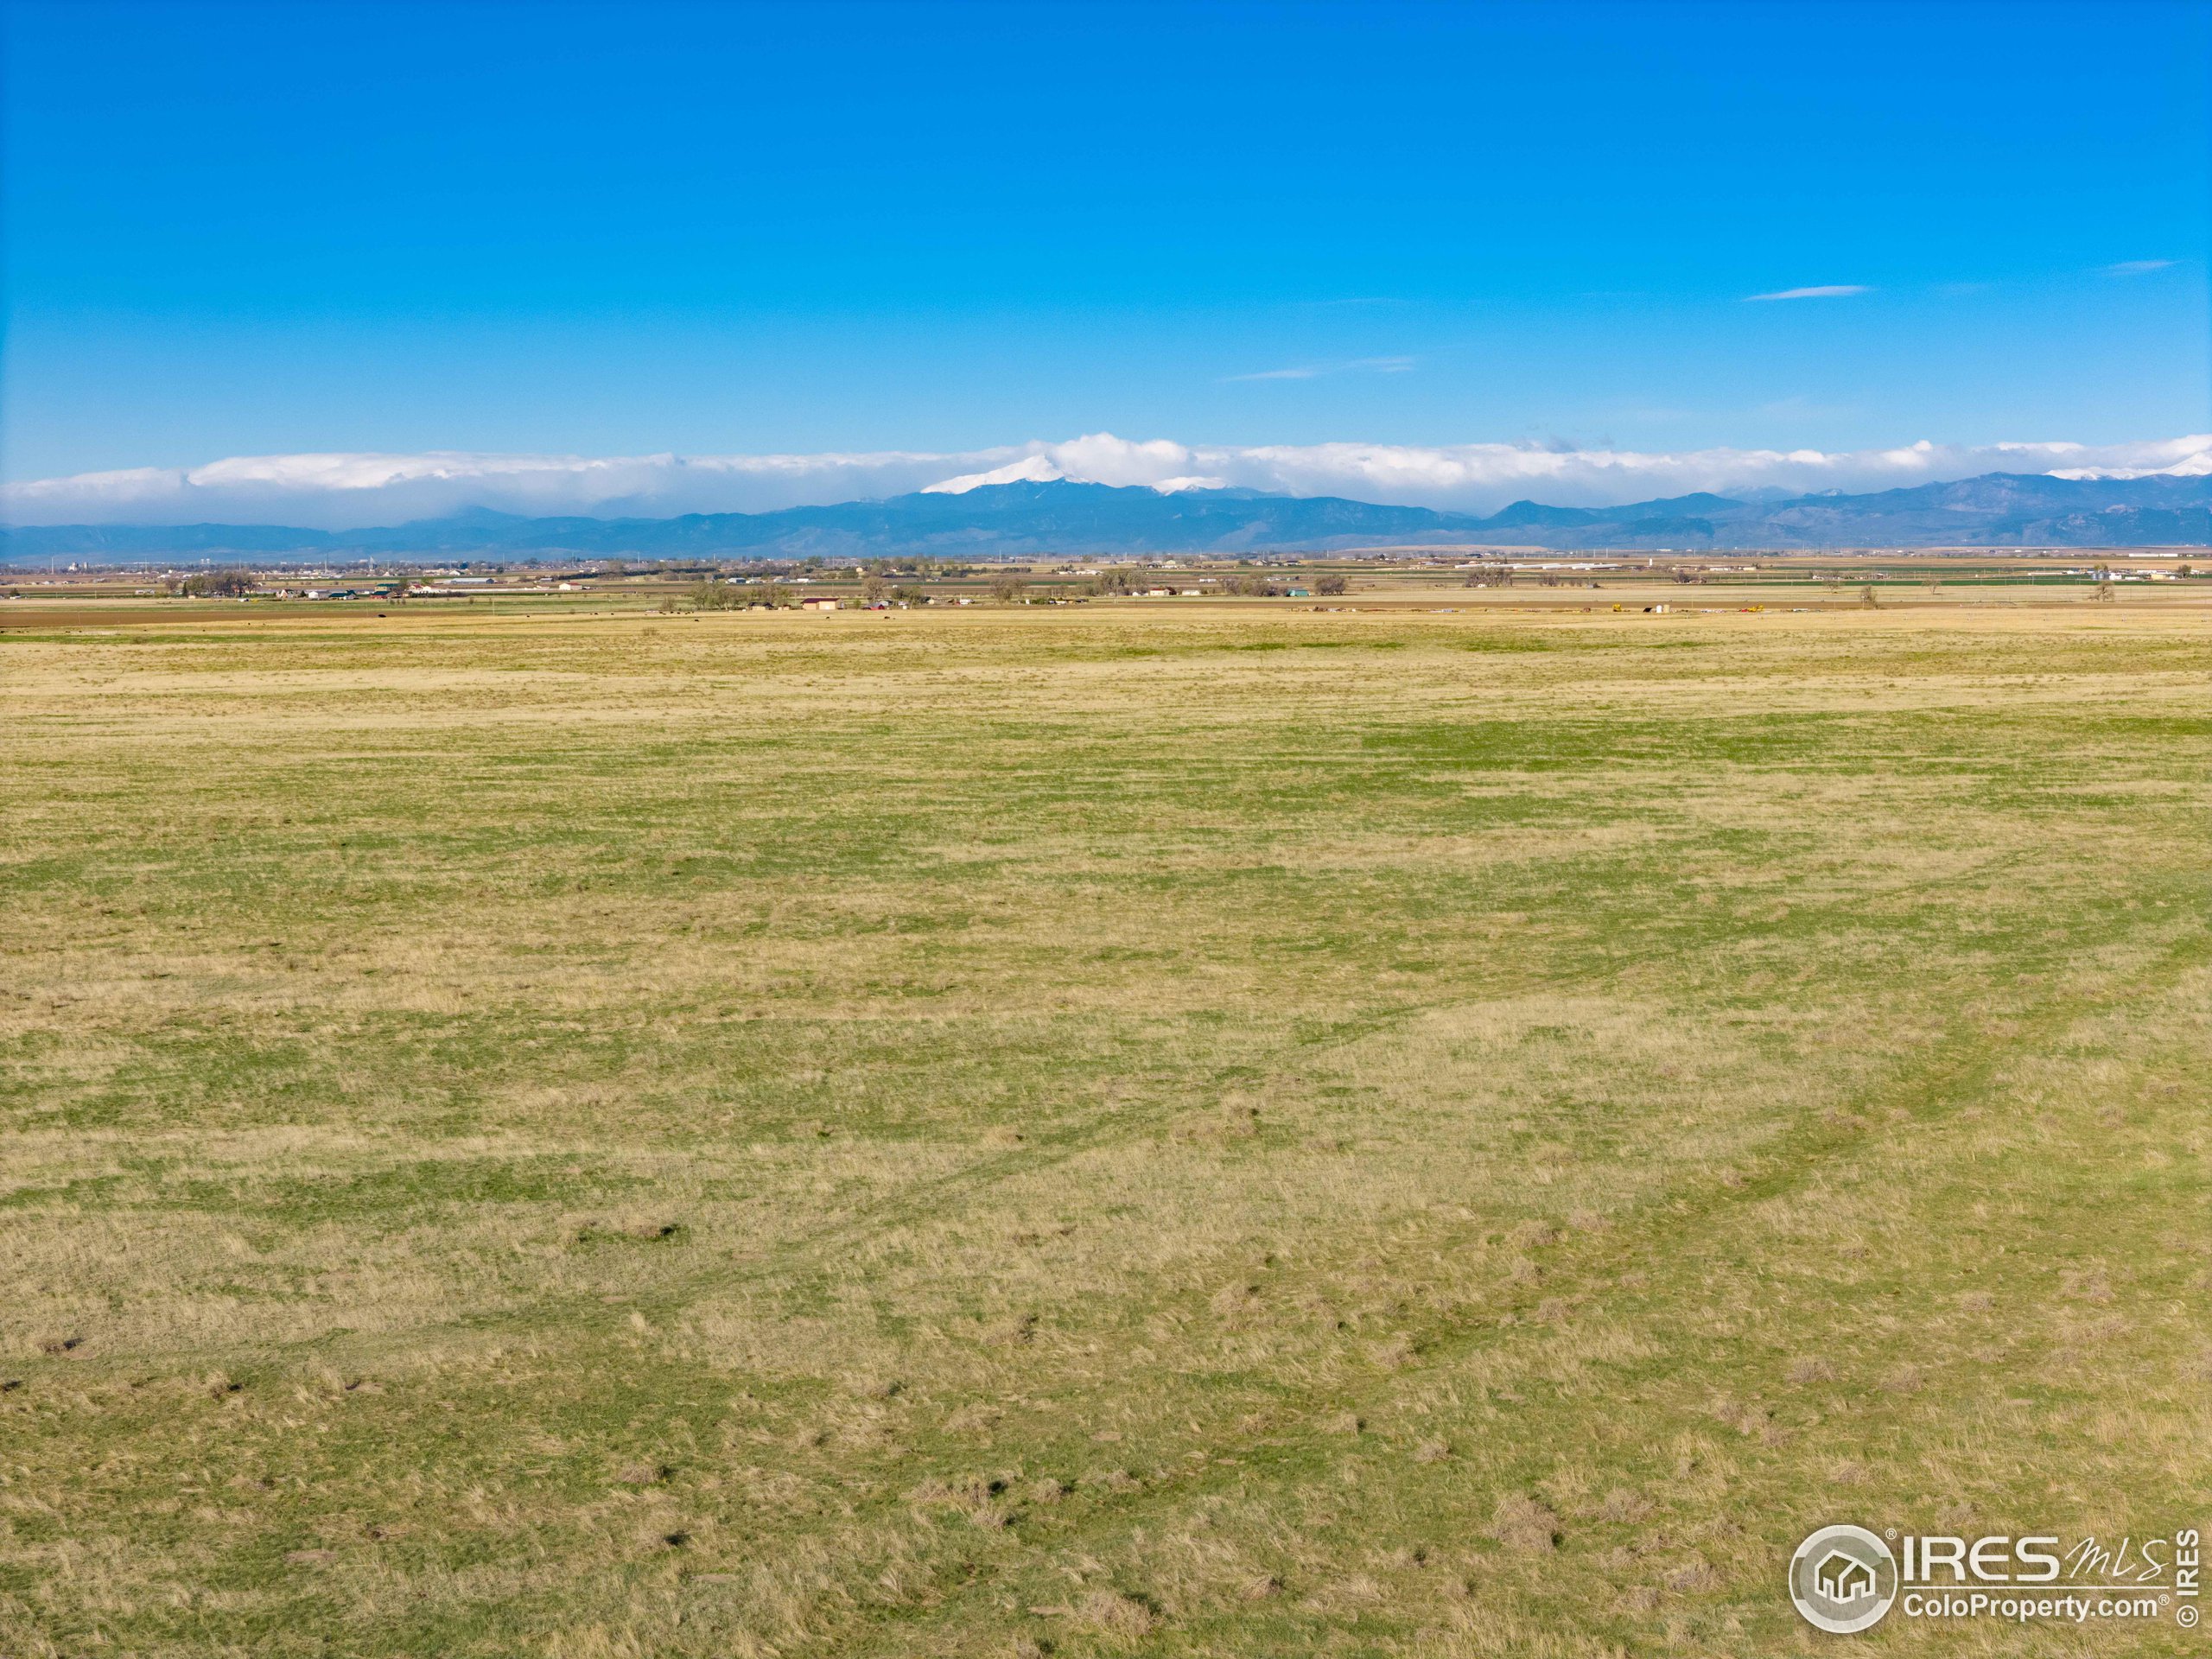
column 1060, row 516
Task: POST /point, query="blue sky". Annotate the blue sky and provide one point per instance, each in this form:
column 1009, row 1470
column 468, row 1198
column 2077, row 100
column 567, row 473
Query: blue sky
column 614, row 230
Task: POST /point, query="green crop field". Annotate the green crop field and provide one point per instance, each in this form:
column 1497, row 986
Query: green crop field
column 1200, row 1133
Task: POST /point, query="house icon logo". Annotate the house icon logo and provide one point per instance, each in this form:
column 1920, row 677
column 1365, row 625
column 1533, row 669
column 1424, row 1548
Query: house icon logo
column 1843, row 1580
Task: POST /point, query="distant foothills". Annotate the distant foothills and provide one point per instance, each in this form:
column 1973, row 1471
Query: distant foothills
column 1997, row 509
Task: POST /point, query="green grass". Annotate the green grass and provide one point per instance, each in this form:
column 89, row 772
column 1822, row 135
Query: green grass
column 1085, row 1134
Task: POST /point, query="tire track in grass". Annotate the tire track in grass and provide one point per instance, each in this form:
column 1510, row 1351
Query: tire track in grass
column 1693, row 1223
column 801, row 1252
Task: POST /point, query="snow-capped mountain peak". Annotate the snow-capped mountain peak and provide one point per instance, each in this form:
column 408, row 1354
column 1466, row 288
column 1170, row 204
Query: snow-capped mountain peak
column 1034, row 470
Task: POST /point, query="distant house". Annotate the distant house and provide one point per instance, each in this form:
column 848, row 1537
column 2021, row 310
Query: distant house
column 818, row 602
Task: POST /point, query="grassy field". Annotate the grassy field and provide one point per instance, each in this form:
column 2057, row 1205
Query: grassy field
column 1185, row 1133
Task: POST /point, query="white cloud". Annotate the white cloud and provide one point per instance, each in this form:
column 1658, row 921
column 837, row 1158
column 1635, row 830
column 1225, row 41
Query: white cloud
column 351, row 491
column 2138, row 267
column 1313, row 371
column 1826, row 291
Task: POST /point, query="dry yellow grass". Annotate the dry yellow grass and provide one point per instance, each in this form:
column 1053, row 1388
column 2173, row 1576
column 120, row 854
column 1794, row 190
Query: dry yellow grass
column 1207, row 1133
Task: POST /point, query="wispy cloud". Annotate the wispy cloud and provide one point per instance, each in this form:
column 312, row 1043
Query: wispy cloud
column 1826, row 291
column 2138, row 267
column 1315, row 370
column 340, row 492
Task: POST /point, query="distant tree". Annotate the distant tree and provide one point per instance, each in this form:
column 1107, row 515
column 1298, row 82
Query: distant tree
column 2102, row 576
column 873, row 587
column 1330, row 586
column 710, row 595
column 217, row 584
column 1934, row 584
column 1254, row 586
column 1866, row 596
column 1009, row 589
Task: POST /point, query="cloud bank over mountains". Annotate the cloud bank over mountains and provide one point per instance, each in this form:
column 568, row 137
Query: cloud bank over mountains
column 351, row 491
